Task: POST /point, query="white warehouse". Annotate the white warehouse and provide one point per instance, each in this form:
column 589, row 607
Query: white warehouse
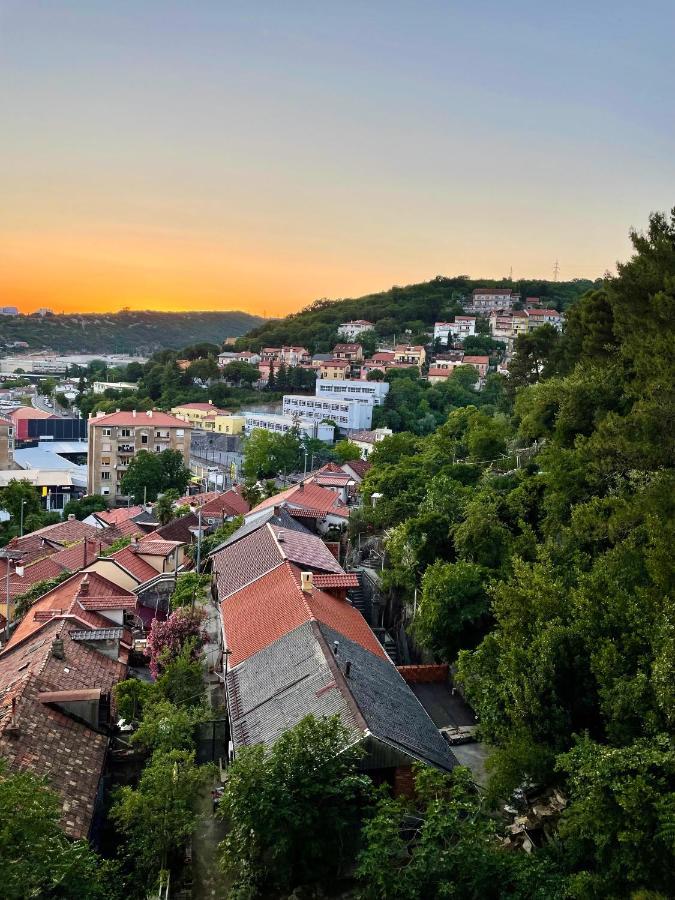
column 349, row 415
column 347, row 388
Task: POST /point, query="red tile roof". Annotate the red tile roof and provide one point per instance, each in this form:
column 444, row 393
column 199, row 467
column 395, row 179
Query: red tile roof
column 149, row 546
column 542, row 312
column 307, row 496
column 348, row 580
column 117, row 516
column 29, row 412
column 273, row 605
column 229, row 504
column 152, row 418
column 477, row 360
column 360, row 467
column 140, row 569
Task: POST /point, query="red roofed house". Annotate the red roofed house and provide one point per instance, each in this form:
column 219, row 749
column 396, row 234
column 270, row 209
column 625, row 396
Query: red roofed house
column 223, row 507
column 115, row 438
column 57, row 676
column 310, row 501
column 479, row 363
column 537, row 317
column 352, row 352
column 334, row 369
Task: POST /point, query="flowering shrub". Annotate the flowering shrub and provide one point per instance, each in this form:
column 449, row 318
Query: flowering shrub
column 167, row 639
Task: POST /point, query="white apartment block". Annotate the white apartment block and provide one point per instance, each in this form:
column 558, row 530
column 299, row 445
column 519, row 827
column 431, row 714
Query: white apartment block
column 280, row 424
column 355, row 413
column 351, row 330
column 484, row 300
column 462, row 327
column 347, row 388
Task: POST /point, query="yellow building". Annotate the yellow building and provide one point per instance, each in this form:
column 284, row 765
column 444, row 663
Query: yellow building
column 410, row 356
column 196, row 413
column 228, row 424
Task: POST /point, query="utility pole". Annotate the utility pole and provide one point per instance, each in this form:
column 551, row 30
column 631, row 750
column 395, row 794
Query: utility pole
column 23, row 502
column 199, row 539
column 556, row 270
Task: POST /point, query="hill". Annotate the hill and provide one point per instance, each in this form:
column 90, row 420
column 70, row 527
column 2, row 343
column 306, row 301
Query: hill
column 127, row 331
column 414, row 307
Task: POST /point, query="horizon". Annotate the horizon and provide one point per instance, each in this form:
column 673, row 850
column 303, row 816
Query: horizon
column 246, row 160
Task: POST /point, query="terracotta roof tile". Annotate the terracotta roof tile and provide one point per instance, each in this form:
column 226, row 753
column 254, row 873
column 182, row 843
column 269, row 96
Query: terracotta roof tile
column 308, row 496
column 138, row 567
column 139, row 420
column 115, row 516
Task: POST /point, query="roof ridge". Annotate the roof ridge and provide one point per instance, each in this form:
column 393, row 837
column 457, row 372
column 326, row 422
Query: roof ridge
column 277, row 544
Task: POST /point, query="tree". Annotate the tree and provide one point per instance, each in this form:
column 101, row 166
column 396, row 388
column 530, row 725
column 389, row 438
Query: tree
column 375, row 375
column 152, row 473
column 134, row 372
column 157, row 817
column 164, row 509
column 368, row 341
column 241, row 373
column 444, row 843
column 346, row 450
column 166, row 639
column 293, row 810
column 85, row 507
column 36, row 857
column 16, row 494
column 189, row 586
column 267, row 454
column 203, row 370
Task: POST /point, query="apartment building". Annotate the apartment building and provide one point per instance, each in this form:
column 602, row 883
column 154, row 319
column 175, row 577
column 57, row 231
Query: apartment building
column 410, row 356
column 352, row 352
column 280, row 424
column 346, row 388
column 348, row 415
column 462, row 327
column 484, row 300
column 334, row 369
column 115, row 438
column 6, row 444
column 537, row 317
column 507, row 325
column 289, row 356
column 246, row 356
column 351, row 330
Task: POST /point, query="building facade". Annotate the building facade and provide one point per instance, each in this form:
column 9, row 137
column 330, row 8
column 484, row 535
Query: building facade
column 197, row 413
column 116, row 438
column 462, row 327
column 6, row 444
column 334, row 369
column 356, row 413
column 346, row 388
column 484, row 300
column 351, row 330
column 410, row 356
column 280, row 424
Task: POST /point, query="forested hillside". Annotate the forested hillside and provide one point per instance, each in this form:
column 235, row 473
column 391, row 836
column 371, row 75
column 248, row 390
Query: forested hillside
column 414, row 307
column 538, row 533
column 127, row 331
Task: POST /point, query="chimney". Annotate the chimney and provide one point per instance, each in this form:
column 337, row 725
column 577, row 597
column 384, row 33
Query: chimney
column 19, row 570
column 71, row 516
column 281, row 537
column 149, row 413
column 57, row 648
column 133, row 413
column 306, row 582
column 84, row 587
column 336, row 647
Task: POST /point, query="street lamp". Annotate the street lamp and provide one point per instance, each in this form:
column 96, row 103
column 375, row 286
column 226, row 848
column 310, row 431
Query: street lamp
column 23, row 503
column 8, row 556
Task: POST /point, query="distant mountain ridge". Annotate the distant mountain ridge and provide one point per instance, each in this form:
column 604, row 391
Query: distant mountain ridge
column 128, row 331
column 413, row 307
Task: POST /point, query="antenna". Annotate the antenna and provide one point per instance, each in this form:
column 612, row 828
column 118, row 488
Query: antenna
column 556, row 270
column 511, row 273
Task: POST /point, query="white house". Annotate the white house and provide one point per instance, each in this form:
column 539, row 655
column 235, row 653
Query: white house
column 462, row 327
column 537, row 317
column 351, row 330
column 347, row 388
column 366, row 440
column 352, row 414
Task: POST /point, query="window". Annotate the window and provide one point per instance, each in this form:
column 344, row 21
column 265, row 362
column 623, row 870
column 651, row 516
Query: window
column 107, row 432
column 158, row 448
column 144, row 439
column 105, row 460
column 125, row 432
column 105, row 476
column 105, row 490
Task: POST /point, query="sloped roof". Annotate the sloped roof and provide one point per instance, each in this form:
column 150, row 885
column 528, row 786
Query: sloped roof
column 150, row 546
column 44, row 740
column 230, row 504
column 140, row 419
column 141, row 570
column 308, row 496
column 177, row 529
column 391, row 710
column 359, row 467
column 116, row 516
column 255, row 520
column 59, row 533
column 274, row 604
column 29, row 412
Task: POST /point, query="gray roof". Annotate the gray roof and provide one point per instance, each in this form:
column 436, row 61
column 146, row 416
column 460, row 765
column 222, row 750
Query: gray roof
column 274, row 689
column 391, row 710
column 256, row 520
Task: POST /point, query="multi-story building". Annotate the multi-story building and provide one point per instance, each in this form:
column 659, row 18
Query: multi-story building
column 334, row 369
column 100, row 387
column 484, row 300
column 462, row 327
column 479, row 363
column 229, row 356
column 115, row 438
column 345, row 388
column 280, row 424
column 355, row 413
column 537, row 317
column 507, row 325
column 6, row 444
column 352, row 352
column 9, row 311
column 197, row 413
column 410, row 356
column 351, row 330
column 289, row 356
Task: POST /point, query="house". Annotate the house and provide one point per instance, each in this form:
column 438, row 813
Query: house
column 312, row 504
column 484, row 300
column 6, row 444
column 334, row 369
column 223, row 507
column 462, row 327
column 479, row 363
column 57, row 675
column 246, row 356
column 197, row 413
column 352, row 352
column 507, row 325
column 289, row 356
column 366, row 440
column 537, row 317
column 100, row 387
column 20, row 418
column 351, row 330
column 357, row 469
column 410, row 356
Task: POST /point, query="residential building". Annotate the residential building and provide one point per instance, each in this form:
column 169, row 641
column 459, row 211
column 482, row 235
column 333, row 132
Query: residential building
column 351, row 330
column 352, row 352
column 289, row 356
column 311, row 503
column 410, row 356
column 345, row 388
column 281, row 423
column 336, row 369
column 99, row 387
column 116, row 438
column 480, row 363
column 225, row 424
column 366, row 440
column 537, row 317
column 484, row 300
column 506, row 325
column 238, row 356
column 348, row 414
column 462, row 327
column 6, row 444
column 197, row 413
column 9, row 311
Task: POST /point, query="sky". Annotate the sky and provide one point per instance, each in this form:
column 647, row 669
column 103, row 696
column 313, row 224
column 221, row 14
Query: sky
column 214, row 154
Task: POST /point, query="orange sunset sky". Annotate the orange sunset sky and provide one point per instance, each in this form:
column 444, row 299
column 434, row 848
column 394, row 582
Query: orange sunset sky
column 217, row 155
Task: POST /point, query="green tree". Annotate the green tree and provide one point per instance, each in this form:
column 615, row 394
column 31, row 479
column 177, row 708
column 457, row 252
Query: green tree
column 152, row 473
column 164, row 509
column 241, row 373
column 267, row 454
column 203, row 369
column 36, row 857
column 346, row 450
column 85, row 507
column 307, row 784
